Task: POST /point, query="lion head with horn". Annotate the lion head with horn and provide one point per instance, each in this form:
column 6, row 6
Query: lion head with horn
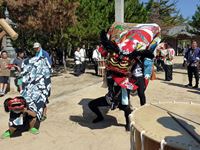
column 123, row 44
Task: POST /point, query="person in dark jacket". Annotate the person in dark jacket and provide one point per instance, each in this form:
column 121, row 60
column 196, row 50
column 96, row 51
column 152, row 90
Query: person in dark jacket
column 192, row 58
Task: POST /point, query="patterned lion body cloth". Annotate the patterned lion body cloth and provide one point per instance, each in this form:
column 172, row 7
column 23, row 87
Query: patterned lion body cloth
column 36, row 73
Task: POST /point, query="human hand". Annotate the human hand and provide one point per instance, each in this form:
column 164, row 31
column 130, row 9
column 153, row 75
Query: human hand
column 24, row 110
column 10, row 66
column 147, row 76
column 17, row 67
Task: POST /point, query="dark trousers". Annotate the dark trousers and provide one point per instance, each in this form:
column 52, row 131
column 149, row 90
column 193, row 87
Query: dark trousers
column 90, row 58
column 168, row 72
column 101, row 101
column 141, row 89
column 96, row 67
column 193, row 71
column 160, row 65
column 83, row 66
column 77, row 70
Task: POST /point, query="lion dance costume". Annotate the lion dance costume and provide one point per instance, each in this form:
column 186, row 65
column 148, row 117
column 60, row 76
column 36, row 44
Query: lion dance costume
column 36, row 83
column 123, row 46
column 29, row 106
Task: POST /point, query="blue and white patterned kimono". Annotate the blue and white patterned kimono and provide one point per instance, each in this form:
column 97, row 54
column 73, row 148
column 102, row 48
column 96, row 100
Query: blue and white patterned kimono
column 36, row 83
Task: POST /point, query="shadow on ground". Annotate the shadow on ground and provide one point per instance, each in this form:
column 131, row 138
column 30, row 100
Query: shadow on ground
column 185, row 129
column 195, row 91
column 174, row 84
column 178, row 66
column 86, row 119
column 179, row 72
column 157, row 78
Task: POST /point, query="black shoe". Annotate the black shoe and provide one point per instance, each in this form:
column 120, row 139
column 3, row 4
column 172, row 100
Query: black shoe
column 188, row 85
column 127, row 127
column 167, row 80
column 195, row 87
column 98, row 119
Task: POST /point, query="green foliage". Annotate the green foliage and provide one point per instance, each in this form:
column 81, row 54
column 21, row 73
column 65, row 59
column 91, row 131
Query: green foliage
column 164, row 13
column 135, row 12
column 93, row 16
column 196, row 21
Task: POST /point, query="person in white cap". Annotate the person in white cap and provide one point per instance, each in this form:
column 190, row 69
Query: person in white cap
column 41, row 53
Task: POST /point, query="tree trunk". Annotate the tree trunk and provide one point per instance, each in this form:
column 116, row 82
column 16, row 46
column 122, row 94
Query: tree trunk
column 64, row 61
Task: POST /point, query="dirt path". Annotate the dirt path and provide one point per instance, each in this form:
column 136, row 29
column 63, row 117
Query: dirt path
column 69, row 126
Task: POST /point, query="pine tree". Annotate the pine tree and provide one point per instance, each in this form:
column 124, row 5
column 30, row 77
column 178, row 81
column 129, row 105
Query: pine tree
column 196, row 21
column 164, row 13
column 93, row 16
column 135, row 12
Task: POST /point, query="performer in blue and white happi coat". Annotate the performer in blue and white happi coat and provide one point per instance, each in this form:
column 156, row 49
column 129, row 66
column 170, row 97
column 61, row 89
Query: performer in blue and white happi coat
column 36, row 83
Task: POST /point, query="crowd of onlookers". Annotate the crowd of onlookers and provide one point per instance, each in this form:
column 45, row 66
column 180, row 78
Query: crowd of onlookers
column 80, row 56
column 191, row 62
column 7, row 67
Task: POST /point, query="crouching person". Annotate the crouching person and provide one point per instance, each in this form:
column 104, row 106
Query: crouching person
column 117, row 97
column 21, row 117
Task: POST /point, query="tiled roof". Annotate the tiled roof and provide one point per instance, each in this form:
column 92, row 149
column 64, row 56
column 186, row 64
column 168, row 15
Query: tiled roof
column 180, row 30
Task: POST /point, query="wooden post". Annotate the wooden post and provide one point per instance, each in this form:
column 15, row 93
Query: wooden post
column 119, row 11
column 8, row 29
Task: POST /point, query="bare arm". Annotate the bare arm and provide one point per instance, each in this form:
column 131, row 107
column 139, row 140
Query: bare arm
column 29, row 112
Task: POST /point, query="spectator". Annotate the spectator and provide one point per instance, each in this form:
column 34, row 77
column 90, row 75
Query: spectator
column 90, row 53
column 168, row 63
column 41, row 53
column 77, row 59
column 18, row 64
column 96, row 56
column 4, row 72
column 60, row 56
column 83, row 57
column 184, row 52
column 159, row 61
column 192, row 58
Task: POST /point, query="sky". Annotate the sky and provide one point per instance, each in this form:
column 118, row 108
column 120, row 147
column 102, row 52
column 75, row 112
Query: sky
column 187, row 7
